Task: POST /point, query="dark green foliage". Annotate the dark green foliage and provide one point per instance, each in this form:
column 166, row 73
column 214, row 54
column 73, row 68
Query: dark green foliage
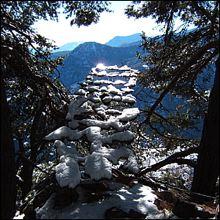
column 180, row 62
column 7, row 162
column 37, row 101
column 177, row 60
column 84, row 12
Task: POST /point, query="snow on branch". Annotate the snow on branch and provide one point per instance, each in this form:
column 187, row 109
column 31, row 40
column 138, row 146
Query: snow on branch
column 91, row 103
column 98, row 167
column 174, row 158
column 67, row 172
column 111, row 122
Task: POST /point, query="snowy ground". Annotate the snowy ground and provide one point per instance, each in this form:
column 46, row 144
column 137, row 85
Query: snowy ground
column 139, row 198
column 101, row 113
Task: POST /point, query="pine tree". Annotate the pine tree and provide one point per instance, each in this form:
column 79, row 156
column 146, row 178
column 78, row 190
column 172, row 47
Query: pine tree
column 176, row 64
column 35, row 97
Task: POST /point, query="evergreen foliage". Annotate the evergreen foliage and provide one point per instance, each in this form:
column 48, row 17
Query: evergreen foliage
column 178, row 63
column 37, row 100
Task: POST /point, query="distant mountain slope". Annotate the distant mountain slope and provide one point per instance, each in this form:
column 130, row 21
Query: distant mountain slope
column 54, row 55
column 119, row 41
column 87, row 55
column 68, row 46
column 136, row 43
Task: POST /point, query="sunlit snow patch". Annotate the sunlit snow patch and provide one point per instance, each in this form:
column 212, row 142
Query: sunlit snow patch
column 98, row 166
column 19, row 215
column 67, row 172
column 139, row 198
column 101, row 66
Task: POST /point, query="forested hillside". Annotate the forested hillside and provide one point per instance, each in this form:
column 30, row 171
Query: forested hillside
column 79, row 62
column 137, row 138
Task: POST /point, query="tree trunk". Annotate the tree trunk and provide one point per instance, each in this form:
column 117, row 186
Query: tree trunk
column 27, row 170
column 26, row 175
column 207, row 169
column 8, row 181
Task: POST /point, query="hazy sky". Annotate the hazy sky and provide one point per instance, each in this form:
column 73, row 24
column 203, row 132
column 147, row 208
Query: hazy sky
column 110, row 24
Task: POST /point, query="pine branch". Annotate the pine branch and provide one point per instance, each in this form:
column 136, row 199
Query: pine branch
column 178, row 73
column 175, row 158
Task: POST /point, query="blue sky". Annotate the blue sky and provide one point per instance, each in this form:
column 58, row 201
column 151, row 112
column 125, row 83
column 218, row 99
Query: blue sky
column 110, row 24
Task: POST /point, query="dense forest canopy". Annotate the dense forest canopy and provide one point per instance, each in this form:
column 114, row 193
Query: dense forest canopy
column 179, row 65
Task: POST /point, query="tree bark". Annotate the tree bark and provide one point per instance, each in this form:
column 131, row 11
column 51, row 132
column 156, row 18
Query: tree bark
column 8, row 181
column 27, row 170
column 207, row 169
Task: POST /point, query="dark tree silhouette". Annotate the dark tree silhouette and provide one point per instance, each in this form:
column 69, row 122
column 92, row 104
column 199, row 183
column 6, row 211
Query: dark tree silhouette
column 176, row 62
column 36, row 99
column 207, row 170
column 8, row 184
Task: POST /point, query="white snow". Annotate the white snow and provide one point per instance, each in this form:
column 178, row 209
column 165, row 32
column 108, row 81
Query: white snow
column 111, row 128
column 92, row 133
column 115, row 67
column 103, row 89
column 67, row 172
column 89, row 77
column 104, row 73
column 128, row 114
column 116, row 98
column 113, row 90
column 132, row 82
column 106, row 130
column 108, row 82
column 114, row 154
column 88, row 81
column 63, row 132
column 93, row 88
column 139, row 198
column 129, row 99
column 123, row 136
column 81, row 92
column 101, row 73
column 113, row 111
column 107, row 99
column 100, row 66
column 127, row 90
column 62, row 149
column 119, row 82
column 98, row 167
column 111, row 122
column 19, row 215
column 103, row 81
column 125, row 67
column 128, row 73
column 112, row 74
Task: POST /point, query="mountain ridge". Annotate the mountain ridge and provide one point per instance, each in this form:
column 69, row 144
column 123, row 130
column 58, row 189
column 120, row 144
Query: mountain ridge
column 79, row 61
column 118, row 41
column 68, row 46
